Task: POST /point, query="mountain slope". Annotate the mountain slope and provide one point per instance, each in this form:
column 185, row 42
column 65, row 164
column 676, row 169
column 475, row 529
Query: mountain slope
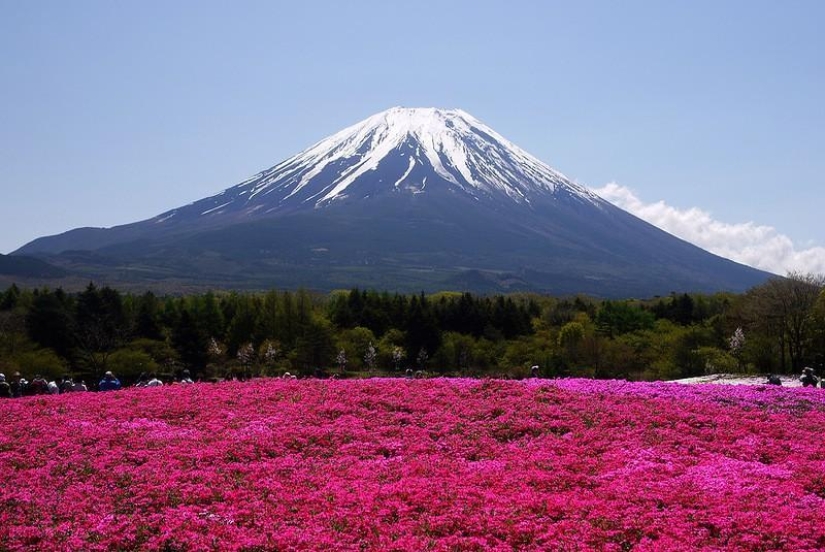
column 407, row 199
column 28, row 267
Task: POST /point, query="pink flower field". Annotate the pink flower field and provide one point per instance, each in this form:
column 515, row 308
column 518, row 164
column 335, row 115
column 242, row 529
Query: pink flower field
column 415, row 465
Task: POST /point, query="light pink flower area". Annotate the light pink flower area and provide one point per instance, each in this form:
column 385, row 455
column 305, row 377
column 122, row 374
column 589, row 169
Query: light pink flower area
column 415, row 465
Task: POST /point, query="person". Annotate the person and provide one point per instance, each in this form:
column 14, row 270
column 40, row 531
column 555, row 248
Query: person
column 5, row 388
column 773, row 379
column 186, row 377
column 66, row 384
column 808, row 378
column 408, row 373
column 109, row 382
column 142, row 380
column 79, row 386
column 39, row 385
column 534, row 371
column 53, row 388
column 153, row 381
column 17, row 385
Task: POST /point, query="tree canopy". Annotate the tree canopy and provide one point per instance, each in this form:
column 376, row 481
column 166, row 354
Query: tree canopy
column 779, row 327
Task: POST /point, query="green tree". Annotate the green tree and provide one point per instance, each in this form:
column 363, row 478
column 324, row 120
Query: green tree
column 422, row 329
column 520, row 356
column 160, row 351
column 50, row 323
column 210, row 316
column 13, row 338
column 570, row 336
column 100, row 326
column 818, row 333
column 10, row 298
column 391, row 351
column 147, row 318
column 315, row 346
column 244, row 326
column 717, row 361
column 455, row 354
column 190, row 341
column 783, row 308
column 129, row 363
column 40, row 361
column 686, row 348
column 621, row 317
column 356, row 342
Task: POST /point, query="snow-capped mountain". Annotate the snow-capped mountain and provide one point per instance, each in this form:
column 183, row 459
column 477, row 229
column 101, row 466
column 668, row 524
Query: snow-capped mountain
column 407, row 199
column 398, row 151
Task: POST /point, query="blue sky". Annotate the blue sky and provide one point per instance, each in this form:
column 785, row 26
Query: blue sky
column 708, row 115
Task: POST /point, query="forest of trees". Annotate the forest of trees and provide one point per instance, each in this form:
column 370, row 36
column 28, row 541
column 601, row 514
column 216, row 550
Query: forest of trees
column 777, row 327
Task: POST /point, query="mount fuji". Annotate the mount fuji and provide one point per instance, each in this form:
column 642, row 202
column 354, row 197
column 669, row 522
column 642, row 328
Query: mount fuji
column 408, row 199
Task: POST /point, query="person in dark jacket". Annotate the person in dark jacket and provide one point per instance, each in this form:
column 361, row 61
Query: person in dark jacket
column 66, row 384
column 773, row 379
column 5, row 388
column 808, row 378
column 18, row 385
column 109, row 382
column 38, row 386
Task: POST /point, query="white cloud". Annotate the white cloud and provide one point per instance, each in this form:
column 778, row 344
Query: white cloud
column 748, row 243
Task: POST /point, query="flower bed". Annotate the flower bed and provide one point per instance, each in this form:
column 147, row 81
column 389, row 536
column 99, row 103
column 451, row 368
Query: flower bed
column 415, row 465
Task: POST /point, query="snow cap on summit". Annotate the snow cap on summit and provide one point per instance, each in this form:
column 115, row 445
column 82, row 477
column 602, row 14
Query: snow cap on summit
column 458, row 148
column 401, row 150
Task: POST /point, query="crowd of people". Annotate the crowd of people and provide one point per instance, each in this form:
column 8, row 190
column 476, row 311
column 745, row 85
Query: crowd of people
column 18, row 386
column 808, row 379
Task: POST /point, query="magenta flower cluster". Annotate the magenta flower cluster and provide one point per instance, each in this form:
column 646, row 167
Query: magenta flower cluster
column 415, row 465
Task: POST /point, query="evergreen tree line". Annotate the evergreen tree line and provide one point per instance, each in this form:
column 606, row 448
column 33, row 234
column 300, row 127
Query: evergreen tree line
column 777, row 327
